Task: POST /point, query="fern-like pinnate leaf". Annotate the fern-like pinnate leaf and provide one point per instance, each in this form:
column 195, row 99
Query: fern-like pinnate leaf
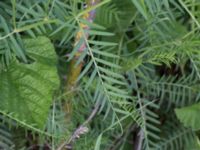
column 104, row 72
column 5, row 138
column 178, row 139
column 172, row 91
column 27, row 89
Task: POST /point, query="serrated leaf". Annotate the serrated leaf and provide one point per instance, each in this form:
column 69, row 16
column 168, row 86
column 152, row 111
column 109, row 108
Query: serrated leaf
column 27, row 89
column 189, row 116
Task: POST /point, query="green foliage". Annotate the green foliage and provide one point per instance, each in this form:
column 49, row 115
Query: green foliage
column 27, row 89
column 179, row 138
column 140, row 62
column 5, row 138
column 189, row 116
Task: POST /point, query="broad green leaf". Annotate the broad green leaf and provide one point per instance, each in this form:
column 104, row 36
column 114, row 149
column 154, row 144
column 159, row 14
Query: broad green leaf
column 27, row 89
column 189, row 116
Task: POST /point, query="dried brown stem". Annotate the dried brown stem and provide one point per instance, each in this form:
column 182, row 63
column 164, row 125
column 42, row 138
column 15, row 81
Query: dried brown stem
column 139, row 140
column 74, row 72
column 74, row 69
column 82, row 129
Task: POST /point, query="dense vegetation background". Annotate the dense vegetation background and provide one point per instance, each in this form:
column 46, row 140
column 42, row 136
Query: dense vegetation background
column 99, row 74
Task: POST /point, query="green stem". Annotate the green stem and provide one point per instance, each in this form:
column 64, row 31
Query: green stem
column 74, row 69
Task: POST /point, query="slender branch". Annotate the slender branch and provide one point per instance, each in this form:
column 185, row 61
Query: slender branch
column 74, row 72
column 74, row 69
column 139, row 140
column 7, row 35
column 27, row 27
column 120, row 141
column 144, row 130
column 82, row 129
